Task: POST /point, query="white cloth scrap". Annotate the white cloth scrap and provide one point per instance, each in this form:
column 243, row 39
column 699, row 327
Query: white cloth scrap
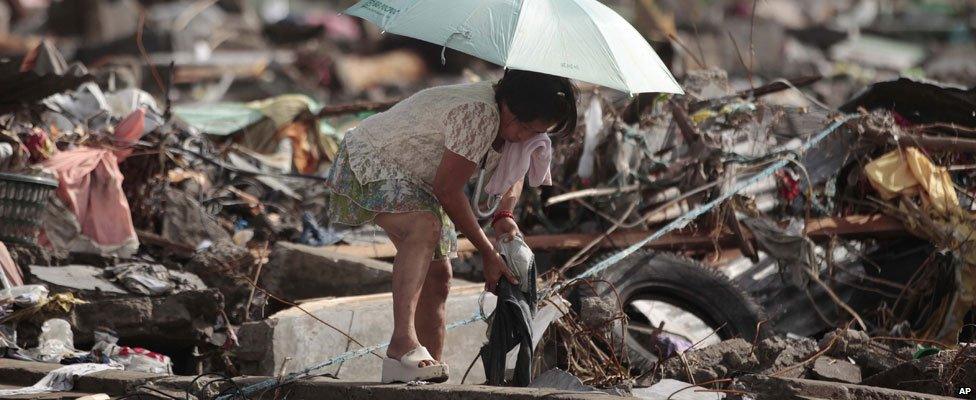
column 528, row 159
column 59, row 380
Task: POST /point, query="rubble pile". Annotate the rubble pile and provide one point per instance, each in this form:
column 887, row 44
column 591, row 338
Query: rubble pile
column 162, row 190
column 781, row 367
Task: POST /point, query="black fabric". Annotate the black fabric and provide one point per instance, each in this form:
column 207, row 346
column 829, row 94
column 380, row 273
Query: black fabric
column 511, row 325
column 919, row 102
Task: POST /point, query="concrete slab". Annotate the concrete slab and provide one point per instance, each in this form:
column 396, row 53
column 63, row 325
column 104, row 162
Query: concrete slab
column 183, row 319
column 301, row 272
column 326, row 389
column 25, row 373
column 113, row 382
column 769, row 388
column 45, row 396
column 292, row 340
column 832, row 369
column 668, row 389
column 80, row 277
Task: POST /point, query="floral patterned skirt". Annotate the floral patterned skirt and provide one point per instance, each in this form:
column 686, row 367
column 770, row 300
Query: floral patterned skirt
column 353, row 203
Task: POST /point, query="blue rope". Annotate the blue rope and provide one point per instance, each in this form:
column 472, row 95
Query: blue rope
column 678, row 223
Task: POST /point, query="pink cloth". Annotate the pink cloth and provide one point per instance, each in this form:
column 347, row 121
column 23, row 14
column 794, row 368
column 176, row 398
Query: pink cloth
column 9, row 268
column 528, row 159
column 128, row 132
column 91, row 187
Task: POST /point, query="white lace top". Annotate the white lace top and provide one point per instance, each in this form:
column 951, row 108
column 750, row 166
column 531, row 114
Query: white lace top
column 407, row 141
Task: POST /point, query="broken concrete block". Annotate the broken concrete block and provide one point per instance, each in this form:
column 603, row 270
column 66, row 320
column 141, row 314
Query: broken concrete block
column 182, row 319
column 712, row 362
column 780, row 352
column 936, row 374
column 223, row 266
column 832, row 369
column 298, row 272
column 737, row 356
column 596, row 312
column 871, row 356
column 763, row 387
column 293, row 340
column 843, row 341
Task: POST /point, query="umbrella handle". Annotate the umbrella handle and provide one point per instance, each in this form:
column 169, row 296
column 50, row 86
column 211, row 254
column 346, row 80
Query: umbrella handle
column 493, row 203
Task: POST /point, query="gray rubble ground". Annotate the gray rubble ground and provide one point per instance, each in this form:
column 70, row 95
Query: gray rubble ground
column 943, row 373
column 845, row 364
column 736, row 357
column 872, row 356
column 761, row 387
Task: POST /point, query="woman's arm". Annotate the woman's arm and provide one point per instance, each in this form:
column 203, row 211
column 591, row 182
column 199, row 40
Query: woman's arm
column 452, row 175
column 507, row 203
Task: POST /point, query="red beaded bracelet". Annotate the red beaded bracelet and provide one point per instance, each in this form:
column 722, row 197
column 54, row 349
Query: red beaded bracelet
column 501, row 214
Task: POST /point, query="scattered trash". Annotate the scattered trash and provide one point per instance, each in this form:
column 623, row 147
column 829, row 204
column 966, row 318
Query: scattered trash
column 150, row 279
column 140, row 360
column 162, row 186
column 28, row 295
column 59, row 380
column 55, row 342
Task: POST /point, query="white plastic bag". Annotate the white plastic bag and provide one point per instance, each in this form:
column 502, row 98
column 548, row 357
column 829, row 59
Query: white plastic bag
column 27, row 295
column 593, row 121
column 59, row 380
column 141, row 360
column 55, row 342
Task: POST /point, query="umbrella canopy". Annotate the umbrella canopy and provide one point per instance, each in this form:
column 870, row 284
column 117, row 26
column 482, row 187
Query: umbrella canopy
column 578, row 39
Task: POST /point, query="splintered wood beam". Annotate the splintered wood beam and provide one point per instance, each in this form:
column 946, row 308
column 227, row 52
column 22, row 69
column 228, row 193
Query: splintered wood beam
column 819, row 230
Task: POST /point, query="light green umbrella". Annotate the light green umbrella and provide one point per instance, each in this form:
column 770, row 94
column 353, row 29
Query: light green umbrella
column 577, row 39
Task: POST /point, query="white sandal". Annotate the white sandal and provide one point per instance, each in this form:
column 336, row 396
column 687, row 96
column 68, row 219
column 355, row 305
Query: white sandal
column 407, row 368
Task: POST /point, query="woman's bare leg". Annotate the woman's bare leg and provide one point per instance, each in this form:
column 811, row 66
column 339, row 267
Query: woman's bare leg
column 417, row 235
column 431, row 314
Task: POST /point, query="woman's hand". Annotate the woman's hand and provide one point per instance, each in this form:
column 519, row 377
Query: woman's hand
column 505, row 226
column 494, row 269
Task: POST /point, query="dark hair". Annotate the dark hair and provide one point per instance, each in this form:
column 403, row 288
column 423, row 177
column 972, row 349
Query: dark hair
column 534, row 96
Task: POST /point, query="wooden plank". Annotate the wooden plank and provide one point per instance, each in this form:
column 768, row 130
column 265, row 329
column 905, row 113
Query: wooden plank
column 852, row 227
column 179, row 249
